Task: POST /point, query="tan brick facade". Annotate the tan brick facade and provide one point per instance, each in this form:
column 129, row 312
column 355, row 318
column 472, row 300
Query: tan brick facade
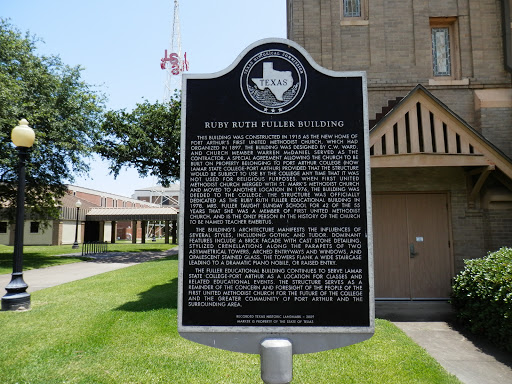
column 393, row 44
column 394, row 48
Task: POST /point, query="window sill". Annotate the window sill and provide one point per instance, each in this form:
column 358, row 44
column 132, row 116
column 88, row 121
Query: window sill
column 448, row 82
column 349, row 23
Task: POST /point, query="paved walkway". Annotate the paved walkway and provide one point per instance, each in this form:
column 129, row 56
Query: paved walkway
column 427, row 323
column 470, row 362
column 49, row 277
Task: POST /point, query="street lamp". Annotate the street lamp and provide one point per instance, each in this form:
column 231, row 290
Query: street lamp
column 17, row 297
column 78, row 204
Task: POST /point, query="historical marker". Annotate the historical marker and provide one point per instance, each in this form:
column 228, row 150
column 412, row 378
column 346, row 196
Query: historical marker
column 275, row 204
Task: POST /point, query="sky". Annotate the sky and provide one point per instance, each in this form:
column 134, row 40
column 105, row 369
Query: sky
column 119, row 43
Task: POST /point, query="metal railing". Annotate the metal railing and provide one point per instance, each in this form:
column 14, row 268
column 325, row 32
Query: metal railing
column 91, row 247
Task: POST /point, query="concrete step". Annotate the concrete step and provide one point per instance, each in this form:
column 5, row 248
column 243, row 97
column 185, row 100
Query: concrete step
column 414, row 310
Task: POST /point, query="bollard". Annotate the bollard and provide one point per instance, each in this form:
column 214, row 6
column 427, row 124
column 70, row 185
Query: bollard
column 276, row 361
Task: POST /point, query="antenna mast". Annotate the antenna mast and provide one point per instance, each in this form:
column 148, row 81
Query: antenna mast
column 174, row 63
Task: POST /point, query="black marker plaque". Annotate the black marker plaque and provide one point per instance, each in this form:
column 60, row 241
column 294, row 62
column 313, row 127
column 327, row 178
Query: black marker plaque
column 275, row 230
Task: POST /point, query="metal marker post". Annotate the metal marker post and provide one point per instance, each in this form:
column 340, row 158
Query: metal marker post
column 276, row 361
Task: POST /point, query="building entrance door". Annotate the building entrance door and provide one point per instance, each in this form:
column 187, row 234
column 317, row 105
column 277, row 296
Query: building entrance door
column 411, row 246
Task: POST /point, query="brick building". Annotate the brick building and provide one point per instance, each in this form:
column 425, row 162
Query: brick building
column 107, row 230
column 440, row 110
column 102, row 217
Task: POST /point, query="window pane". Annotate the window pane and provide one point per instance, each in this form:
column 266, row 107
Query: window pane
column 441, row 51
column 34, row 227
column 352, row 8
column 3, row 227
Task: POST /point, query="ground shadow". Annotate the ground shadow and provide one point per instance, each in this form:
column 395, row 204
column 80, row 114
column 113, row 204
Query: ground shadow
column 132, row 257
column 35, row 261
column 414, row 311
column 437, row 311
column 483, row 344
column 164, row 296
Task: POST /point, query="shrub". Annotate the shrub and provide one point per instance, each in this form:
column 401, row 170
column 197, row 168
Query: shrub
column 482, row 297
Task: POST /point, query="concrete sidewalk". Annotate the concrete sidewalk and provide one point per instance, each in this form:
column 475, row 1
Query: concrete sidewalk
column 427, row 323
column 49, row 277
column 460, row 356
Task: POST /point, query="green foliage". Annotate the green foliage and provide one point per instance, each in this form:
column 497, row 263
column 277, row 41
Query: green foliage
column 147, row 139
column 482, row 297
column 121, row 327
column 63, row 110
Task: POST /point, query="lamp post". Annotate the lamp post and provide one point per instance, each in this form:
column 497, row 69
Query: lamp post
column 78, row 204
column 17, row 297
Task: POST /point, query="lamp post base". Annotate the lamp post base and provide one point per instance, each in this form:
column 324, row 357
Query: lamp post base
column 75, row 246
column 16, row 302
column 17, row 298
